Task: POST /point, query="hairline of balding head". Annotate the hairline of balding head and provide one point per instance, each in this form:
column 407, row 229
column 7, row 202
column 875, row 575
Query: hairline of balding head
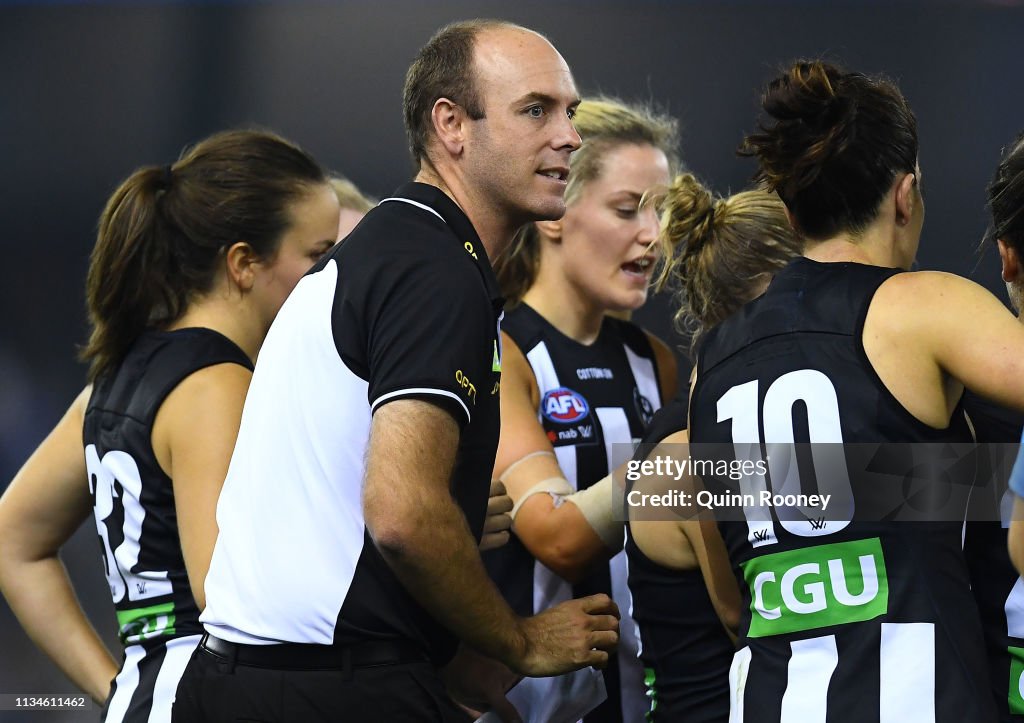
column 451, row 52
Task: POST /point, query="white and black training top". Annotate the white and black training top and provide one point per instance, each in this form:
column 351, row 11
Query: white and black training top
column 407, row 307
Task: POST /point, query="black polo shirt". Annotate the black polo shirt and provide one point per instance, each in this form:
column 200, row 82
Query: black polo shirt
column 408, row 307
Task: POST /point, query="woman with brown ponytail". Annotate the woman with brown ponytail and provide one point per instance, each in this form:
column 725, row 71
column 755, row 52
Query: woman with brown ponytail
column 684, row 599
column 848, row 618
column 191, row 264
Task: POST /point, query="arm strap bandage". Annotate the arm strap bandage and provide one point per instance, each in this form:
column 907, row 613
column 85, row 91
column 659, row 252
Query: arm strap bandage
column 595, row 502
column 508, row 470
column 557, row 487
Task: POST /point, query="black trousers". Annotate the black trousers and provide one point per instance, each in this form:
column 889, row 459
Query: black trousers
column 215, row 689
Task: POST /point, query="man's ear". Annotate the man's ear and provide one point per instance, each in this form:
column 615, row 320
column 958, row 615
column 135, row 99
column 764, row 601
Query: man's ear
column 1009, row 260
column 550, row 230
column 906, row 199
column 241, row 260
column 449, row 119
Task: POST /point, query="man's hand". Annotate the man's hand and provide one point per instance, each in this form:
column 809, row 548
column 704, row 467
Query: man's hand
column 499, row 521
column 569, row 636
column 479, row 683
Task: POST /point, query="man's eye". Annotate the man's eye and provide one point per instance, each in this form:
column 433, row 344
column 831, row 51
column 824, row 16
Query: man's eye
column 535, row 111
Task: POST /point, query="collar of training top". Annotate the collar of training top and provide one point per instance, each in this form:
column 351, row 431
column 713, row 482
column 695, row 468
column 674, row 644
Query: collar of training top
column 435, row 198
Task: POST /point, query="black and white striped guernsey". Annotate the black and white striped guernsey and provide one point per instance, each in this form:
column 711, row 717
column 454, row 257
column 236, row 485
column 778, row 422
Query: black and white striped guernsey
column 133, row 505
column 843, row 621
column 595, row 403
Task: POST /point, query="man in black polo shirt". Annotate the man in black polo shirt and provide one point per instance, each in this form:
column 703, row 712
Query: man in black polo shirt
column 346, row 569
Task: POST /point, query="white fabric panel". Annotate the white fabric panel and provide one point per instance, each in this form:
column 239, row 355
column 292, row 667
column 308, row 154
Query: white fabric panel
column 618, row 443
column 809, row 673
column 292, row 462
column 1014, row 608
column 737, row 683
column 907, row 673
column 127, row 681
column 178, row 653
column 631, row 670
column 646, row 377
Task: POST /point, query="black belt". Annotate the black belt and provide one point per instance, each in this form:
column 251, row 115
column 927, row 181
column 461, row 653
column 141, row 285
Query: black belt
column 301, row 656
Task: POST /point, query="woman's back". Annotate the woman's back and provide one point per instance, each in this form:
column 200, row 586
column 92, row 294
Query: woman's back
column 860, row 620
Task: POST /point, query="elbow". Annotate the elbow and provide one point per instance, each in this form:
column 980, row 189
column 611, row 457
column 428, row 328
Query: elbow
column 565, row 565
column 730, row 618
column 571, row 560
column 393, row 534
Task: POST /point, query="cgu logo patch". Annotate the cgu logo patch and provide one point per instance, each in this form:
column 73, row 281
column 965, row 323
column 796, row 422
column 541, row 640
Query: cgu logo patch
column 564, row 406
column 815, row 587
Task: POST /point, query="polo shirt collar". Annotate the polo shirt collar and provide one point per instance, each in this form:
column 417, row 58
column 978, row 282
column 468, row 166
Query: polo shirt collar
column 458, row 222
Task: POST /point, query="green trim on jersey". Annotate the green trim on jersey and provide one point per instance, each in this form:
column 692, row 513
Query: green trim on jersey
column 816, row 587
column 652, row 694
column 140, row 624
column 1015, row 694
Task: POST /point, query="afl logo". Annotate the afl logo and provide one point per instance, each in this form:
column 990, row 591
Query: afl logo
column 564, row 406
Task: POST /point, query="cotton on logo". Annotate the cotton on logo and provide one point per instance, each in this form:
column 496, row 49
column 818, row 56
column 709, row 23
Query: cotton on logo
column 564, row 406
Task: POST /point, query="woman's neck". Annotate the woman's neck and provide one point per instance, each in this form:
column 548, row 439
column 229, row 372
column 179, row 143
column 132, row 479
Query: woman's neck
column 224, row 316
column 873, row 247
column 565, row 308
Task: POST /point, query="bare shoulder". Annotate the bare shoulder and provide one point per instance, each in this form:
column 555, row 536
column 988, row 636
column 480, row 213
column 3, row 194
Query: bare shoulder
column 209, row 389
column 917, row 287
column 81, row 402
column 931, row 300
column 514, row 364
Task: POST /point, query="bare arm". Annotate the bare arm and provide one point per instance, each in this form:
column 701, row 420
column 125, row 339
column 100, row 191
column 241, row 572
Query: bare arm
column 668, row 382
column 1016, row 534
column 422, row 534
column 47, row 501
column 713, row 560
column 560, row 537
column 194, row 434
column 930, row 334
column 689, row 544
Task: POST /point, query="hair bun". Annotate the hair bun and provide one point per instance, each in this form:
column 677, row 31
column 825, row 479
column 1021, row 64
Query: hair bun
column 688, row 213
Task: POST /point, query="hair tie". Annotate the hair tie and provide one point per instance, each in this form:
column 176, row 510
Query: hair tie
column 706, row 222
column 709, row 217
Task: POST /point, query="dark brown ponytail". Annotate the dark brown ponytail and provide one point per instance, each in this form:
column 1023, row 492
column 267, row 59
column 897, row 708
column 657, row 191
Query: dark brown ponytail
column 165, row 230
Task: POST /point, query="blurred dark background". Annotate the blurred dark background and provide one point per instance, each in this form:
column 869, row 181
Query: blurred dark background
column 88, row 91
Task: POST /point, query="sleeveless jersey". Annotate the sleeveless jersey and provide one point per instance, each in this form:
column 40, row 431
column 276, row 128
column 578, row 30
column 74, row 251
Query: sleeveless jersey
column 843, row 621
column 997, row 588
column 684, row 648
column 133, row 499
column 595, row 402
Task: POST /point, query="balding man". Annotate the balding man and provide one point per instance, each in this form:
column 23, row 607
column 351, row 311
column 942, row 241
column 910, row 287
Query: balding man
column 347, row 570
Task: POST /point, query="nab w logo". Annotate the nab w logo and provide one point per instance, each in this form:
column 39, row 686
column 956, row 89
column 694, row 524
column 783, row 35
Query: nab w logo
column 564, row 406
column 817, row 524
